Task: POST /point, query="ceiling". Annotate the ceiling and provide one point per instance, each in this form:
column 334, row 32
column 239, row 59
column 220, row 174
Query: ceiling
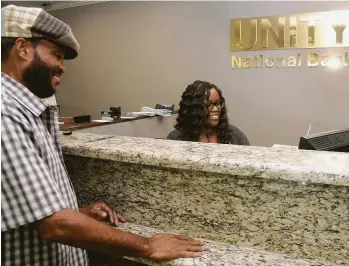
column 51, row 5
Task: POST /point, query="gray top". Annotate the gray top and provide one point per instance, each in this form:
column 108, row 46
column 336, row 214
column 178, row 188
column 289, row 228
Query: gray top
column 237, row 138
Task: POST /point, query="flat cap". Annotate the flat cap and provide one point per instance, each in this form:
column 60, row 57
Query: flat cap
column 29, row 22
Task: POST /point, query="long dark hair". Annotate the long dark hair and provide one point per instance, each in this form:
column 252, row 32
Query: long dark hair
column 190, row 120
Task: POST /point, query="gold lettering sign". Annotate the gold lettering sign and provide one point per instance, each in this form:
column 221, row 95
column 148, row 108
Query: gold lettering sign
column 312, row 60
column 309, row 30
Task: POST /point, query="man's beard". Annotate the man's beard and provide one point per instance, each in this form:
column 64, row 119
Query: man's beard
column 38, row 77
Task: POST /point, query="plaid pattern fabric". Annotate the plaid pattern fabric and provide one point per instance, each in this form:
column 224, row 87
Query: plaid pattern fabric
column 50, row 26
column 19, row 21
column 34, row 181
column 29, row 22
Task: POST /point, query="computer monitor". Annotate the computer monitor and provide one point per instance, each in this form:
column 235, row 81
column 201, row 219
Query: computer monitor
column 337, row 140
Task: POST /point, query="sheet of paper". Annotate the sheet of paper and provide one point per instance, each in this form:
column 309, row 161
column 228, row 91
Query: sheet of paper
column 101, row 121
column 127, row 117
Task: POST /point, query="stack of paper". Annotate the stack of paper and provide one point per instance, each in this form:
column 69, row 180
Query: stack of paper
column 147, row 111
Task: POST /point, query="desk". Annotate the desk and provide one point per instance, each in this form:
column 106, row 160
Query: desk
column 149, row 127
column 76, row 126
column 152, row 127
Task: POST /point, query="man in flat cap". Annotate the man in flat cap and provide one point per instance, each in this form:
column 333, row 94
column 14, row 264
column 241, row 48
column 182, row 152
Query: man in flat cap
column 41, row 222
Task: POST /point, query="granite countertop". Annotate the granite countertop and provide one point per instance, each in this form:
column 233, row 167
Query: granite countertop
column 284, row 147
column 250, row 161
column 224, row 254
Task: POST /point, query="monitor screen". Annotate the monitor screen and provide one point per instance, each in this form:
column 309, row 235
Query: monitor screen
column 337, row 140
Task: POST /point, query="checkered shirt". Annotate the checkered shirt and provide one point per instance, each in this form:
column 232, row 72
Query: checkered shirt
column 34, row 180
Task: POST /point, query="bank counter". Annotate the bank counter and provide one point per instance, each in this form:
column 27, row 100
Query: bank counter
column 252, row 205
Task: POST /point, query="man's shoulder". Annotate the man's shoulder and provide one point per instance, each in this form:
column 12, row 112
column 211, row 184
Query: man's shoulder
column 8, row 104
column 11, row 108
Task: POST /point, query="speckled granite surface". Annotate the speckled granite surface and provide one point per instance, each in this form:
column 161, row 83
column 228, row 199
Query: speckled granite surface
column 304, row 166
column 246, row 196
column 280, row 147
column 224, row 254
column 308, row 221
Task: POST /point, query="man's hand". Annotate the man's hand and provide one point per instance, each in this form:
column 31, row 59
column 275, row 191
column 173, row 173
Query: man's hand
column 100, row 211
column 165, row 247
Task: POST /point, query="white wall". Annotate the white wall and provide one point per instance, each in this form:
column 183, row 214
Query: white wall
column 282, row 103
column 142, row 53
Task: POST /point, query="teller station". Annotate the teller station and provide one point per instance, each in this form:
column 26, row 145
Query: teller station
column 158, row 127
column 280, row 205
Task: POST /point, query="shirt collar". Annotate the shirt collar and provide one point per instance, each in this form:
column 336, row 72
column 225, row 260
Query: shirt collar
column 23, row 95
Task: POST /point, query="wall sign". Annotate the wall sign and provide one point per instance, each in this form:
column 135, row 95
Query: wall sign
column 298, row 31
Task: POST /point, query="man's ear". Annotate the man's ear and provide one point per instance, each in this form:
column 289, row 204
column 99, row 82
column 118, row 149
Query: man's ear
column 23, row 49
